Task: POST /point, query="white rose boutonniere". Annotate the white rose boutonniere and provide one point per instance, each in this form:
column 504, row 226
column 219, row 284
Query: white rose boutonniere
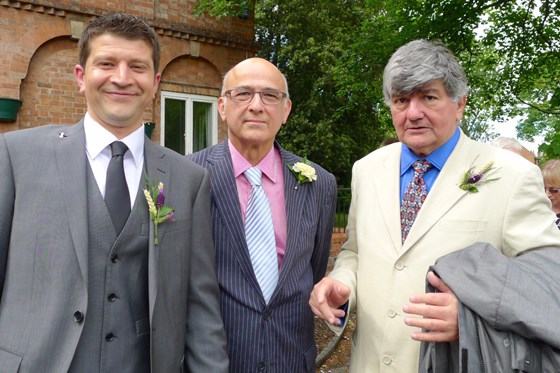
column 303, row 172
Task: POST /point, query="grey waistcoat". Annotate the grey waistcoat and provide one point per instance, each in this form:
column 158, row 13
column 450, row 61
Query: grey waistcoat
column 116, row 334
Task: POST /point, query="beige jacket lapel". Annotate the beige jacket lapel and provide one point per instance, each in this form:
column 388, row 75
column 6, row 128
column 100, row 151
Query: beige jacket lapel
column 444, row 194
column 386, row 176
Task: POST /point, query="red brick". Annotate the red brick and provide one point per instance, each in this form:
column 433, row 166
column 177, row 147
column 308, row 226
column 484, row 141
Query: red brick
column 38, row 54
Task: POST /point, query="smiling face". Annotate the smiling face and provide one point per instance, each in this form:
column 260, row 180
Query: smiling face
column 252, row 126
column 426, row 118
column 118, row 81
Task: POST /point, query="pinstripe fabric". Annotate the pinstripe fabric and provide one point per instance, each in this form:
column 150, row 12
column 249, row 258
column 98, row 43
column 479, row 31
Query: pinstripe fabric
column 259, row 233
column 277, row 336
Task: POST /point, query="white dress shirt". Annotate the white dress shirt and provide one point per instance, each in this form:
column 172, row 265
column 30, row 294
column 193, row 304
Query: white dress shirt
column 98, row 150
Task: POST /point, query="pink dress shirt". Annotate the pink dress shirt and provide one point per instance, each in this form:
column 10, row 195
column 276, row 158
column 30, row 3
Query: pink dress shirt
column 273, row 185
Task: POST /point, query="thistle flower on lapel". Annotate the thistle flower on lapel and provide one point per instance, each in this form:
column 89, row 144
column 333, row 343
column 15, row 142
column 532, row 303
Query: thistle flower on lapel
column 471, row 180
column 159, row 213
column 303, row 171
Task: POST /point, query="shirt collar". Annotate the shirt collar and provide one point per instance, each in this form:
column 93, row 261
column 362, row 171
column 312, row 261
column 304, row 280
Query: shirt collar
column 437, row 158
column 266, row 165
column 98, row 138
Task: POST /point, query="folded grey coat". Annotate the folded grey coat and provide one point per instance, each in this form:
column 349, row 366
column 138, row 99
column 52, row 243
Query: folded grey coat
column 508, row 312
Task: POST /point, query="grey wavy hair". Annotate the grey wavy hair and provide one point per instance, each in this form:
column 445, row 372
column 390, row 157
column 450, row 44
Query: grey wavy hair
column 420, row 62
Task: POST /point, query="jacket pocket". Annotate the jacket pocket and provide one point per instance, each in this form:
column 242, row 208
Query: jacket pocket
column 525, row 354
column 9, row 362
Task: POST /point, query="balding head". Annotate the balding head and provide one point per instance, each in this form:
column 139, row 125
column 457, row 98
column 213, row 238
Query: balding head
column 254, row 66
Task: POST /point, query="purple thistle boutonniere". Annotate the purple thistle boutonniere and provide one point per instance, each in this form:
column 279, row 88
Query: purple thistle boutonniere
column 471, row 180
column 159, row 213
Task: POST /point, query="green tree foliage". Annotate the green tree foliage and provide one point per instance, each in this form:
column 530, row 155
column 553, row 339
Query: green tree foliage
column 334, row 53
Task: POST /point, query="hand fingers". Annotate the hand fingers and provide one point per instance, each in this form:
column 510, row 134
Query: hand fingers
column 438, row 283
column 330, row 315
column 427, row 324
column 434, row 336
column 437, row 313
column 435, row 299
column 324, row 301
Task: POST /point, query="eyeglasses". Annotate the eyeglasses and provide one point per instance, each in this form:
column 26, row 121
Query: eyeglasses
column 552, row 190
column 245, row 95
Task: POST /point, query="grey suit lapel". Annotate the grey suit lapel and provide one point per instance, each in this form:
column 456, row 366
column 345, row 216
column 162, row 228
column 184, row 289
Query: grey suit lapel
column 226, row 198
column 71, row 160
column 157, row 168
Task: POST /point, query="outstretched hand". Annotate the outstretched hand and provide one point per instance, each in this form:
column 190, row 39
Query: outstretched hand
column 438, row 313
column 326, row 298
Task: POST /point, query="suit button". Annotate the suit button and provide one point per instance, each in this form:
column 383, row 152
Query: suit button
column 399, row 266
column 78, row 317
column 387, row 360
column 261, row 367
column 267, row 314
column 391, row 313
column 112, row 297
column 115, row 258
column 109, row 337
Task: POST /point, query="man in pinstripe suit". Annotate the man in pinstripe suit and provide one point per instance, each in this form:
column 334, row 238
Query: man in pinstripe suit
column 274, row 335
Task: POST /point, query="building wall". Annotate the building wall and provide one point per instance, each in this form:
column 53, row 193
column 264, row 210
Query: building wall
column 38, row 52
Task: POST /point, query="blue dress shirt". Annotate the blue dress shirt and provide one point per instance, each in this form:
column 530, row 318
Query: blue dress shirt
column 437, row 158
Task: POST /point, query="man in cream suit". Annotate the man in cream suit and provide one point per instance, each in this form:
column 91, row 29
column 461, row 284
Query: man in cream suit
column 268, row 328
column 475, row 192
column 81, row 289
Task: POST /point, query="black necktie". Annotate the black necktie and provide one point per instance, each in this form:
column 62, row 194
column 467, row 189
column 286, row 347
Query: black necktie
column 117, row 197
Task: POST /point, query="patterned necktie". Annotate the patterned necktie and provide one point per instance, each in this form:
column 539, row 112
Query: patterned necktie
column 259, row 233
column 117, row 197
column 414, row 196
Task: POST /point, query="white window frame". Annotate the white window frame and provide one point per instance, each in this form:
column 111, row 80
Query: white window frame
column 189, row 99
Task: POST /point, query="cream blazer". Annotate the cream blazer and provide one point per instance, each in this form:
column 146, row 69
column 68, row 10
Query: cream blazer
column 511, row 213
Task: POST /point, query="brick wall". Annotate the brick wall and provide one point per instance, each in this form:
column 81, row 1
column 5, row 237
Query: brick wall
column 38, row 52
column 338, row 238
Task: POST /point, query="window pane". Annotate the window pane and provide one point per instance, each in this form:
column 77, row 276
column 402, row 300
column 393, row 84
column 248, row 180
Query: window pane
column 175, row 125
column 201, row 125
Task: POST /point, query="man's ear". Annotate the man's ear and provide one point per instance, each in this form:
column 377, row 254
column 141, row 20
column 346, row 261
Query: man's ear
column 79, row 72
column 222, row 108
column 460, row 108
column 157, row 79
column 287, row 109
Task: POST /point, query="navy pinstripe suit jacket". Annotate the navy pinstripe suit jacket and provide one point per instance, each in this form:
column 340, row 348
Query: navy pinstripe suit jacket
column 278, row 337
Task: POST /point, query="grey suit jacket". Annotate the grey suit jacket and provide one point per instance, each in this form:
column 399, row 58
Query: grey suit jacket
column 279, row 336
column 508, row 311
column 43, row 257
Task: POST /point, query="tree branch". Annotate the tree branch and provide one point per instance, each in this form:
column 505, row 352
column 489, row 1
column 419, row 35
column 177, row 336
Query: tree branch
column 497, row 4
column 536, row 107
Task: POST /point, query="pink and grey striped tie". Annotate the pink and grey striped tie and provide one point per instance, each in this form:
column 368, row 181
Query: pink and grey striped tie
column 259, row 233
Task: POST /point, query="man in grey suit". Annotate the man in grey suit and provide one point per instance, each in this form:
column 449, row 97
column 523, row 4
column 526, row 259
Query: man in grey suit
column 268, row 322
column 94, row 283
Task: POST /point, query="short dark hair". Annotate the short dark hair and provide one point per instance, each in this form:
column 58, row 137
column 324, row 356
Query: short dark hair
column 122, row 25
